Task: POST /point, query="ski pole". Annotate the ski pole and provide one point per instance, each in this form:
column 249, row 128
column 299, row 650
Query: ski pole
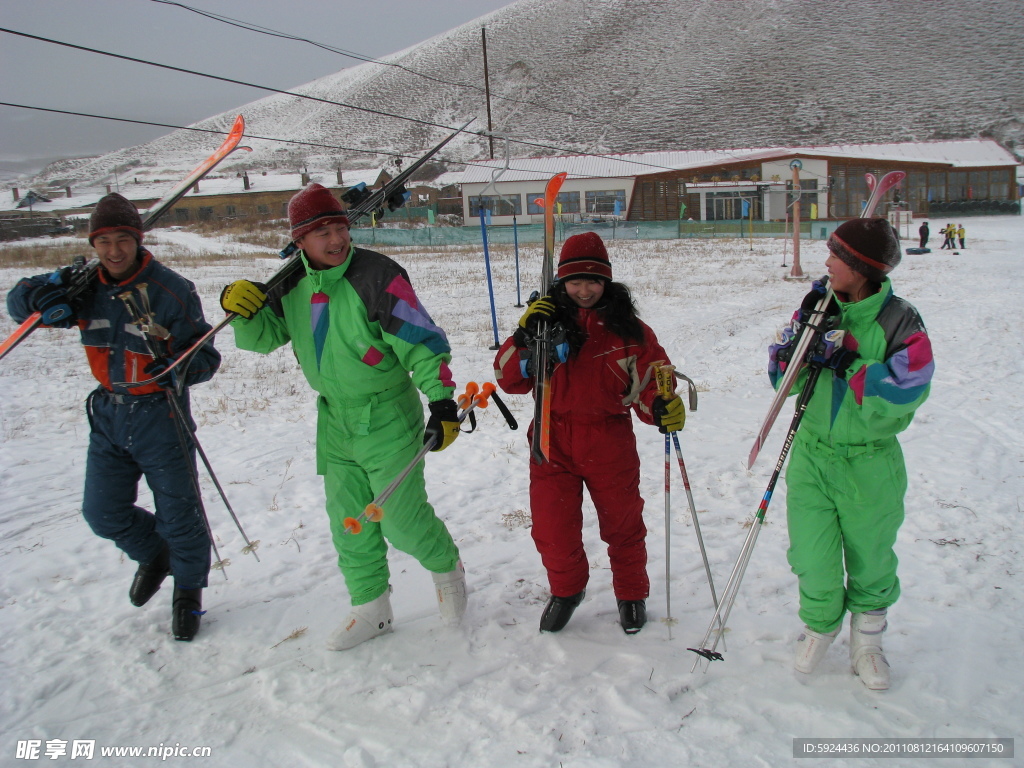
column 733, row 585
column 663, row 375
column 139, row 318
column 665, row 385
column 474, row 397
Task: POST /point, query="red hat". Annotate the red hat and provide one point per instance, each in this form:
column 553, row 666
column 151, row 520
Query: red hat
column 868, row 246
column 313, row 208
column 584, row 255
column 115, row 213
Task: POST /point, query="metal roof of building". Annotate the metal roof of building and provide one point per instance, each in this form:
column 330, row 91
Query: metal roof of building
column 964, row 153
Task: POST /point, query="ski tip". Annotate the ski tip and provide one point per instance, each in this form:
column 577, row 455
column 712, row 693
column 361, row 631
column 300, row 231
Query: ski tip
column 752, row 457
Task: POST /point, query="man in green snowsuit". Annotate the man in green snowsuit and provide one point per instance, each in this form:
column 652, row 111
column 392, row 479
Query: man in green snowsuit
column 846, row 478
column 365, row 344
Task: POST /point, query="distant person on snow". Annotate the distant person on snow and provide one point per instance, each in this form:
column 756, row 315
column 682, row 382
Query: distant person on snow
column 949, row 232
column 132, row 430
column 846, row 477
column 604, row 370
column 961, row 233
column 923, row 231
column 365, row 344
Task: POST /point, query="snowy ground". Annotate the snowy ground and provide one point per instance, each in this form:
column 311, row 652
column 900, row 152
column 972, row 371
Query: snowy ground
column 258, row 687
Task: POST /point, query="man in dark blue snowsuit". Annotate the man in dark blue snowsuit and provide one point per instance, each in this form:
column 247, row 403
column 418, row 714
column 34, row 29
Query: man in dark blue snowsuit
column 133, row 430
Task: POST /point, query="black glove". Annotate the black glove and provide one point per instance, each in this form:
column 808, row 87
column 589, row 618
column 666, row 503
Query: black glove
column 810, row 303
column 442, row 424
column 157, row 367
column 52, row 302
column 669, row 415
column 836, row 350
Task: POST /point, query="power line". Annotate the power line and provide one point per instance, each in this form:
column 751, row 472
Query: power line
column 310, row 98
column 251, row 27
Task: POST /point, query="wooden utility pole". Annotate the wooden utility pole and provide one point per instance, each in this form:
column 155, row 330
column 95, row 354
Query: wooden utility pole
column 796, row 272
column 487, row 91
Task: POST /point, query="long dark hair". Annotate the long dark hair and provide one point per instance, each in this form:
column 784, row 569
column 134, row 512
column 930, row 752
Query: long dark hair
column 617, row 308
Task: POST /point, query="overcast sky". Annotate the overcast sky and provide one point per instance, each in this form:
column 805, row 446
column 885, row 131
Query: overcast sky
column 42, row 74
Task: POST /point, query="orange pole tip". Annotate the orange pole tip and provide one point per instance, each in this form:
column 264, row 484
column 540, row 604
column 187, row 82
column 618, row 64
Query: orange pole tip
column 373, row 513
column 352, row 525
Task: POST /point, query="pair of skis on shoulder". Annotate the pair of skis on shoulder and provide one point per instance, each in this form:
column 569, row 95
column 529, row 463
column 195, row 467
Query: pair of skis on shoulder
column 809, row 332
column 83, row 273
column 391, row 195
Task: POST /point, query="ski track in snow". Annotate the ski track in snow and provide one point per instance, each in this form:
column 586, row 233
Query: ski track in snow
column 79, row 662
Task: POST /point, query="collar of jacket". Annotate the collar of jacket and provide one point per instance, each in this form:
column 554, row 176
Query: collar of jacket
column 145, row 261
column 867, row 309
column 321, row 278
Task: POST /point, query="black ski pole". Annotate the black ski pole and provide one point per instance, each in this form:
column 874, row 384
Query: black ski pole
column 732, row 587
column 182, row 424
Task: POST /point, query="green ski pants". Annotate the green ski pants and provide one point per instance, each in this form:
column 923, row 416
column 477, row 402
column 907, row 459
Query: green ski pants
column 361, row 447
column 844, row 503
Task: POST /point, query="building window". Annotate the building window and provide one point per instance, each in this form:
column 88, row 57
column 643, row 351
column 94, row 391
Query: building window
column 181, row 215
column 498, row 205
column 205, row 213
column 263, row 210
column 230, row 210
column 608, row 201
column 566, row 202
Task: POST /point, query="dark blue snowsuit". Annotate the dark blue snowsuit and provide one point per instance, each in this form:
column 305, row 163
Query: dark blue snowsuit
column 133, row 431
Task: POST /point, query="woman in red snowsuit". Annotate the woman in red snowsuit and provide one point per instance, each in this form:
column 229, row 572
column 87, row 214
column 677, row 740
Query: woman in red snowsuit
column 604, row 368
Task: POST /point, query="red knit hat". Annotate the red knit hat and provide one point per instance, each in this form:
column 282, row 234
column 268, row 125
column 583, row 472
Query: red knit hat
column 313, row 208
column 868, row 246
column 584, row 255
column 115, row 213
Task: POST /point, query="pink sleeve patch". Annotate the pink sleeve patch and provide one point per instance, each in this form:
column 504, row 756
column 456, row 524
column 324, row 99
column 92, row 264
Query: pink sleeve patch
column 446, row 375
column 856, row 383
column 373, row 356
column 919, row 351
column 400, row 287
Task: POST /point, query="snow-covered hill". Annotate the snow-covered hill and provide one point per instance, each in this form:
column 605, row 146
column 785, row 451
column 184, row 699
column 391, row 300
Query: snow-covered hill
column 608, row 76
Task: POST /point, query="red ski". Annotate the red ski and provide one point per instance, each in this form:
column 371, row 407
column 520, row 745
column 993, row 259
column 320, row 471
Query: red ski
column 84, row 275
column 540, row 446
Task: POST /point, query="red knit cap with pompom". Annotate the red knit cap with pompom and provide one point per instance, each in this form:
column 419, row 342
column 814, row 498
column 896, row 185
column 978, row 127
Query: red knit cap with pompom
column 312, row 208
column 115, row 213
column 868, row 246
column 584, row 255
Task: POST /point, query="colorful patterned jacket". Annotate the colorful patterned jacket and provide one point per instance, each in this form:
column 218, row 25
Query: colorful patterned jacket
column 890, row 379
column 114, row 345
column 357, row 330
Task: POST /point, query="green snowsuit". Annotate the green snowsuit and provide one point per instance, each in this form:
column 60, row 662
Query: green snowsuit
column 846, row 478
column 365, row 344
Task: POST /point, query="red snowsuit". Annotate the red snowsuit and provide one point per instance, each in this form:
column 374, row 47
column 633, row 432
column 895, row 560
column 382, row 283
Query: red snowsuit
column 592, row 443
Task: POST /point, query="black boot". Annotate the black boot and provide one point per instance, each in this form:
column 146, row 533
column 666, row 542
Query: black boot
column 149, row 577
column 632, row 615
column 186, row 613
column 558, row 611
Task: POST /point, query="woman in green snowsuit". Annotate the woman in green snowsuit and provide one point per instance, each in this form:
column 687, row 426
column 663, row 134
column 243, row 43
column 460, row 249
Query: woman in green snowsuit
column 365, row 344
column 846, row 478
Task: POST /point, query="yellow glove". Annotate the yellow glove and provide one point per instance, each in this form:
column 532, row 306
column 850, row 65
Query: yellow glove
column 541, row 309
column 443, row 424
column 243, row 297
column 669, row 415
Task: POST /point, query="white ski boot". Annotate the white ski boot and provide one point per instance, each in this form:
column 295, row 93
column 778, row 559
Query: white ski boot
column 451, row 595
column 866, row 655
column 811, row 648
column 366, row 621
